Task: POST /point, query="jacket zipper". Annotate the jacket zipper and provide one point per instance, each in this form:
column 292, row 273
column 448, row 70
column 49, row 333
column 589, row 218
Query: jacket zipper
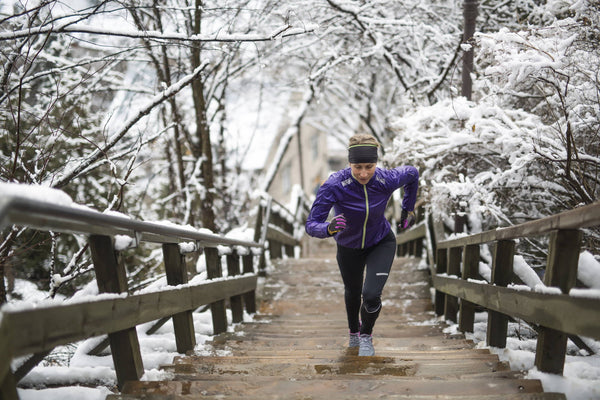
column 362, row 246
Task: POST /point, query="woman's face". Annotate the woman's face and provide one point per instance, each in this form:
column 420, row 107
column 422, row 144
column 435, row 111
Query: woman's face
column 363, row 172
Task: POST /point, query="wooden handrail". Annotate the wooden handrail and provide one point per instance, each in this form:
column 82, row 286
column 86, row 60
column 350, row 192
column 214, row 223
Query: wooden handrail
column 46, row 327
column 582, row 217
column 543, row 309
column 22, row 211
column 39, row 330
column 416, row 232
column 276, row 233
column 554, row 316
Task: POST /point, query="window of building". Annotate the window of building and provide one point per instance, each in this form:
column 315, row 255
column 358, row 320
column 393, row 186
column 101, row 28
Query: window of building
column 286, row 177
column 314, row 146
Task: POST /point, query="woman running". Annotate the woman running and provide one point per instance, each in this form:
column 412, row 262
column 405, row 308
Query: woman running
column 359, row 196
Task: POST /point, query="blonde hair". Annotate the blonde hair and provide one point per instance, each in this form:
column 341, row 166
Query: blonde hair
column 363, row 138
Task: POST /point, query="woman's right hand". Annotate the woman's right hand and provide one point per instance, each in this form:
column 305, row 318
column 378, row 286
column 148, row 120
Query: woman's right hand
column 338, row 223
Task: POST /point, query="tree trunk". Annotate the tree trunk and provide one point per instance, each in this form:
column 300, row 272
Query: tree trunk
column 202, row 130
column 2, row 286
column 470, row 15
column 161, row 64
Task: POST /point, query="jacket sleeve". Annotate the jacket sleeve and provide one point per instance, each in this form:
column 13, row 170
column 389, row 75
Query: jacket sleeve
column 316, row 223
column 407, row 177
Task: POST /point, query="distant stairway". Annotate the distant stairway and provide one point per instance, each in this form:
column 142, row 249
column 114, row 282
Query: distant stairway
column 296, row 349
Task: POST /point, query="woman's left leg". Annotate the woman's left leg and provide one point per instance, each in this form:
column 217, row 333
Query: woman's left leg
column 379, row 263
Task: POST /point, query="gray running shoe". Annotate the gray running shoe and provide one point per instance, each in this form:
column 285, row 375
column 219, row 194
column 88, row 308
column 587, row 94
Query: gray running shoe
column 354, row 340
column 366, row 346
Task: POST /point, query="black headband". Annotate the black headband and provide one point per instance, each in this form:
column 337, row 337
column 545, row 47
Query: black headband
column 362, row 153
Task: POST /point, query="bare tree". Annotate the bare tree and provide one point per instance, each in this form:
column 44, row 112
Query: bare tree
column 84, row 108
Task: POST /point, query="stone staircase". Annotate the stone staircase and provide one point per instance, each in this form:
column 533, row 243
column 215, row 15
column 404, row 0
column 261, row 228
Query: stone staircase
column 295, row 348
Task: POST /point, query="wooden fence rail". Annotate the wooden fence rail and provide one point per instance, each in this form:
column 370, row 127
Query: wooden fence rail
column 117, row 313
column 555, row 317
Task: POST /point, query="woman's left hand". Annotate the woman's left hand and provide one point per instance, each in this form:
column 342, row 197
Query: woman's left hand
column 407, row 219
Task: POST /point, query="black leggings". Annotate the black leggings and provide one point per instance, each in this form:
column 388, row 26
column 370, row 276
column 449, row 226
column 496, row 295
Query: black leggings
column 378, row 260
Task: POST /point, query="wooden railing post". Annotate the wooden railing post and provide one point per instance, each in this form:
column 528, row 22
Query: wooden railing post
column 260, row 229
column 451, row 304
column 275, row 249
column 502, row 270
column 248, row 268
column 399, row 252
column 418, row 247
column 8, row 387
column 441, row 266
column 111, row 278
column 289, row 228
column 275, row 246
column 177, row 274
column 233, row 269
column 561, row 271
column 454, row 261
column 470, row 270
column 8, row 381
column 289, row 250
column 214, row 270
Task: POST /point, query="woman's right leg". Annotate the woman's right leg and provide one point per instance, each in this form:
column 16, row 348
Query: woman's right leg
column 351, row 263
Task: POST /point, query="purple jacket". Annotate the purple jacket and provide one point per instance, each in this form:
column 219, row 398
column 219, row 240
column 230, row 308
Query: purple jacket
column 362, row 205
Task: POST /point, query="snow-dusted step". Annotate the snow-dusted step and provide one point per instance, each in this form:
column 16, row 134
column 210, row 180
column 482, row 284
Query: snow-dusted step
column 296, row 348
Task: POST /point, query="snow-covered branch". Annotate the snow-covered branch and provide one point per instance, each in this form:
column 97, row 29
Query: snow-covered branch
column 70, row 174
column 376, row 40
column 279, row 32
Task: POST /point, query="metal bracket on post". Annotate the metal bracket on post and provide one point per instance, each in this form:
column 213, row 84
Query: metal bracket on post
column 137, row 236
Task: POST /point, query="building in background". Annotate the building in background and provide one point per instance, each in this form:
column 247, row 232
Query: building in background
column 301, row 158
column 304, row 164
